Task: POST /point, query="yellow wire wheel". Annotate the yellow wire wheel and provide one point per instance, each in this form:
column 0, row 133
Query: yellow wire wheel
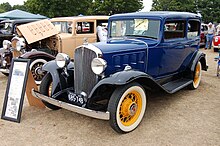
column 127, row 107
column 197, row 75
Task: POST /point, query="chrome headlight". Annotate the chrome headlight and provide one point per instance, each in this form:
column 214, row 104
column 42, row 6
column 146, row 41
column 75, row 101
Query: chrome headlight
column 216, row 39
column 62, row 60
column 98, row 65
column 6, row 44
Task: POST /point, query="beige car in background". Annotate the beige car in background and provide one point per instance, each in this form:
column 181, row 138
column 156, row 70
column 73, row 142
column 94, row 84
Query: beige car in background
column 46, row 38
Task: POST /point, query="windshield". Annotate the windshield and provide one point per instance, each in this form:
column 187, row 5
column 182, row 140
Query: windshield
column 135, row 27
column 6, row 28
column 63, row 27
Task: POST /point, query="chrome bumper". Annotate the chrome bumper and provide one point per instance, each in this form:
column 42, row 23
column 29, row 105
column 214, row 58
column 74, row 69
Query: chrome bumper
column 4, row 70
column 74, row 108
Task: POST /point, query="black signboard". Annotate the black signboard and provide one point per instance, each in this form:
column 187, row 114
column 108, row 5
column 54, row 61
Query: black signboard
column 15, row 91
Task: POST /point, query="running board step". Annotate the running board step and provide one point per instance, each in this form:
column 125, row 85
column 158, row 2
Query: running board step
column 176, row 85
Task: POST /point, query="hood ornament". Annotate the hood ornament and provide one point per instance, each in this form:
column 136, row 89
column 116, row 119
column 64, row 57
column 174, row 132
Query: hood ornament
column 85, row 41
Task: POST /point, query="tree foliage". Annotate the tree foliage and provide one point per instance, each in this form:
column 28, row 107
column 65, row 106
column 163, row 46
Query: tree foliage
column 56, row 8
column 109, row 7
column 4, row 7
column 209, row 9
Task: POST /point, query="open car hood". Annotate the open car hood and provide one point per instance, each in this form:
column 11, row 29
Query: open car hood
column 37, row 30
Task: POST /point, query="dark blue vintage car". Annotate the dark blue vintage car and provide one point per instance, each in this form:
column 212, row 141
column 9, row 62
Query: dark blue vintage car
column 109, row 80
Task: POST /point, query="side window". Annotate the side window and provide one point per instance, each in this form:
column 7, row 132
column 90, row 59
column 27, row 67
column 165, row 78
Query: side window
column 84, row 27
column 63, row 27
column 174, row 29
column 193, row 29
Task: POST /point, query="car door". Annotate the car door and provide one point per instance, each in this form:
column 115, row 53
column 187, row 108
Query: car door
column 173, row 47
column 193, row 40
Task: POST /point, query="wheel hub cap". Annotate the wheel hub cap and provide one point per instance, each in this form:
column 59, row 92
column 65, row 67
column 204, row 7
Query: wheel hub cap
column 130, row 108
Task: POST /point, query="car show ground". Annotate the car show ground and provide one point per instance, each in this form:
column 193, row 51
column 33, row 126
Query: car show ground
column 188, row 117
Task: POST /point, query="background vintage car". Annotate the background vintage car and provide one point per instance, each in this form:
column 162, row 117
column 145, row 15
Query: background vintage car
column 8, row 28
column 216, row 43
column 49, row 37
column 204, row 31
column 145, row 51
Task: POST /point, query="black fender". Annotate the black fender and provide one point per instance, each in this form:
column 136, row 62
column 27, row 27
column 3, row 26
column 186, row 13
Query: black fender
column 199, row 56
column 59, row 79
column 37, row 54
column 125, row 77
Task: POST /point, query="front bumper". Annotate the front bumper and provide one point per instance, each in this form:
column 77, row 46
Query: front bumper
column 71, row 107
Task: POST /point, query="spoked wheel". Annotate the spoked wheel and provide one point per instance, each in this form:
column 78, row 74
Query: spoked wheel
column 197, row 76
column 127, row 107
column 36, row 71
column 46, row 89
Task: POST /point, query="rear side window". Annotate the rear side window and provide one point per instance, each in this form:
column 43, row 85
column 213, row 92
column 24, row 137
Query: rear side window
column 193, row 29
column 174, row 29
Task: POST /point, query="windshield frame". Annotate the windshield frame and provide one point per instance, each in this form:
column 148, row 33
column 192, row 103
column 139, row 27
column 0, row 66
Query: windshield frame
column 135, row 36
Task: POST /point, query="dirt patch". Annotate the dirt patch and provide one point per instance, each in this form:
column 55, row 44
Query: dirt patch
column 188, row 117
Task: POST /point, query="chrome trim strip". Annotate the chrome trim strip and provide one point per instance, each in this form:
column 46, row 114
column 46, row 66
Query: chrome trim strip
column 71, row 107
column 4, row 70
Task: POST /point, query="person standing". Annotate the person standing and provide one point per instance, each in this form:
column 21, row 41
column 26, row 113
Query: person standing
column 209, row 36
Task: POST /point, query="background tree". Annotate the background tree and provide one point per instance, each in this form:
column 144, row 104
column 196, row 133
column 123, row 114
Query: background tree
column 174, row 5
column 209, row 9
column 20, row 7
column 109, row 7
column 57, row 8
column 4, row 7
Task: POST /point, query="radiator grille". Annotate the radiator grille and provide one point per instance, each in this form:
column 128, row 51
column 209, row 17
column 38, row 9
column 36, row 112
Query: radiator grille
column 84, row 78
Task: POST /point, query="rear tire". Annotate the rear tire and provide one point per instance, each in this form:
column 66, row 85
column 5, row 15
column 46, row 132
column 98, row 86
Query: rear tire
column 45, row 90
column 197, row 75
column 127, row 106
column 215, row 49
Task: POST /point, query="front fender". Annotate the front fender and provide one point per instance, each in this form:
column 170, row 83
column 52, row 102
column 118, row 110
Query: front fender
column 125, row 77
column 57, row 77
column 37, row 54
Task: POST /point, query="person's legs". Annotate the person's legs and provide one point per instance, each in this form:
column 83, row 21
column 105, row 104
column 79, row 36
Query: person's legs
column 210, row 41
column 207, row 41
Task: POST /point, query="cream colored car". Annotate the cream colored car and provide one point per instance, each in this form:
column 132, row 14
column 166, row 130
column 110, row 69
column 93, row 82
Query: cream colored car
column 57, row 35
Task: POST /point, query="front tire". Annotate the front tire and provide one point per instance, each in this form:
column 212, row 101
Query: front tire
column 35, row 68
column 197, row 75
column 127, row 107
column 215, row 49
column 45, row 89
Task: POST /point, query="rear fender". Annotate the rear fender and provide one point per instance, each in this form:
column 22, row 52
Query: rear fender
column 199, row 57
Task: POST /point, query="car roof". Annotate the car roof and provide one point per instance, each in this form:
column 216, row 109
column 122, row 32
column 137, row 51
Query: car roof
column 19, row 20
column 74, row 18
column 159, row 14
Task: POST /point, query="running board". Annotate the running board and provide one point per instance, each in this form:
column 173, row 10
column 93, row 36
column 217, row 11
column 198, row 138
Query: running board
column 71, row 107
column 176, row 85
column 4, row 70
